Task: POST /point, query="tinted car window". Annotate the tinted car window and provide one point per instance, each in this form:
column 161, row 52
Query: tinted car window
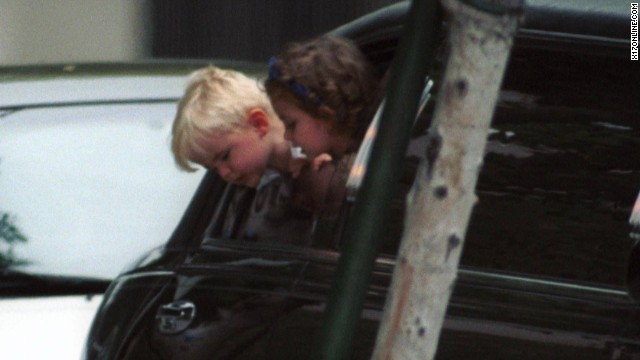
column 560, row 175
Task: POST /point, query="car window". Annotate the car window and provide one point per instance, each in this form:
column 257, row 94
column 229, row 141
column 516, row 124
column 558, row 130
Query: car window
column 560, row 176
column 267, row 214
column 559, row 179
column 91, row 188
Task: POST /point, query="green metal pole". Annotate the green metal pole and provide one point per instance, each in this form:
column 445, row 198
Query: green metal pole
column 363, row 233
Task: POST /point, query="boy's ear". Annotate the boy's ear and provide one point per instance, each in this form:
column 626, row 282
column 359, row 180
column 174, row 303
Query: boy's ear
column 258, row 120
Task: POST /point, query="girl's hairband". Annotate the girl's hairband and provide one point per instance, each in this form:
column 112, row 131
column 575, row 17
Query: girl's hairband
column 296, row 88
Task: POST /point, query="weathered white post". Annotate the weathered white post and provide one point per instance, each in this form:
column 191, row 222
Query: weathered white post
column 440, row 203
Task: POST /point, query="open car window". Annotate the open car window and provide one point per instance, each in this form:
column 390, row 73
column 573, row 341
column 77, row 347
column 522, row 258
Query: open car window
column 273, row 212
column 265, row 214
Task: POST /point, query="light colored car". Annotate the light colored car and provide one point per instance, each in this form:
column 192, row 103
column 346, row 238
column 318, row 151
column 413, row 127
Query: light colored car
column 87, row 184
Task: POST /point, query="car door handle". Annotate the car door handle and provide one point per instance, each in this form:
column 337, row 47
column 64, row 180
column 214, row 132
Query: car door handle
column 175, row 317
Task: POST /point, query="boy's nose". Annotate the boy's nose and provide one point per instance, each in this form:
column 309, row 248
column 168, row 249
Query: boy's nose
column 223, row 171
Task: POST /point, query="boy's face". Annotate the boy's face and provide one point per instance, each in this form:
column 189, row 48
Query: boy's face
column 239, row 157
column 302, row 129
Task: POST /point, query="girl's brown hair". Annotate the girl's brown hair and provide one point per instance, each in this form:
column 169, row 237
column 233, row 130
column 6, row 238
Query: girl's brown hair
column 329, row 71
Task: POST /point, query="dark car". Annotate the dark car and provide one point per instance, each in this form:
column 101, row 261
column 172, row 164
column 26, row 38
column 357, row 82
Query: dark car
column 549, row 266
column 83, row 191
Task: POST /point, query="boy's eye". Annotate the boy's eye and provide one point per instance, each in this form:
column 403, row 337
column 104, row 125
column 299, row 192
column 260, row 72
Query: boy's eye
column 225, row 155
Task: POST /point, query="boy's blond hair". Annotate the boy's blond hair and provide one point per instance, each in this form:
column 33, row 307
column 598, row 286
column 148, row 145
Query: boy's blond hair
column 216, row 101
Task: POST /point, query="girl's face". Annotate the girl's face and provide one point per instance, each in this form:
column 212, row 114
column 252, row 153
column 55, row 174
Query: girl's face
column 304, row 130
column 240, row 157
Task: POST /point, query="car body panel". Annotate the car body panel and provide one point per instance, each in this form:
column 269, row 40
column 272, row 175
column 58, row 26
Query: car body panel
column 24, row 320
column 106, row 120
column 256, row 300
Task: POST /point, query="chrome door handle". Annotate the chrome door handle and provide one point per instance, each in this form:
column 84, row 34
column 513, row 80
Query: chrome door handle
column 175, row 317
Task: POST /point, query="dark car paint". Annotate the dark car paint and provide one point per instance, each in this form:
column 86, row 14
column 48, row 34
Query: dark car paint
column 591, row 20
column 262, row 295
column 266, row 301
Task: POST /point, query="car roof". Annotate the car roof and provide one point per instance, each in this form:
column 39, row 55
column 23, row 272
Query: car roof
column 609, row 19
column 66, row 84
column 58, row 91
column 593, row 20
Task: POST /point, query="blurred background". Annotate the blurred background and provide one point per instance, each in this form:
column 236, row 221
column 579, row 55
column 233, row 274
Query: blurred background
column 66, row 31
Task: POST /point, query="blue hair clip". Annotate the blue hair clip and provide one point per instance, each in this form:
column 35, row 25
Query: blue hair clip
column 296, row 88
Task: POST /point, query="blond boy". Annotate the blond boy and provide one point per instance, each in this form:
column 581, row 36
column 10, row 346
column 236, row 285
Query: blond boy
column 225, row 122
